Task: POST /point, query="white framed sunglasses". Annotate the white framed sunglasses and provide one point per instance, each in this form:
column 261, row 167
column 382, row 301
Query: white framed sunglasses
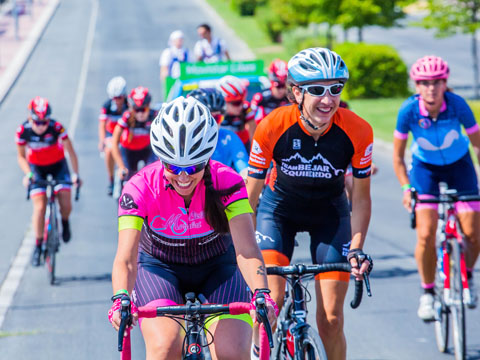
column 320, row 90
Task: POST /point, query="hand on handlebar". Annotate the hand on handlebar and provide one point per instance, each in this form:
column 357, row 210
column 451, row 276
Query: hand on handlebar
column 122, row 173
column 271, row 306
column 126, row 309
column 407, row 200
column 361, row 263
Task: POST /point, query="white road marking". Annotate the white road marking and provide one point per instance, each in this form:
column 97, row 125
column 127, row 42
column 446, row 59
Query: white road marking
column 22, row 258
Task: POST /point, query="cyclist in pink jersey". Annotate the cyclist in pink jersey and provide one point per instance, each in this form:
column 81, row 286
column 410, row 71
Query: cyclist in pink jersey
column 185, row 225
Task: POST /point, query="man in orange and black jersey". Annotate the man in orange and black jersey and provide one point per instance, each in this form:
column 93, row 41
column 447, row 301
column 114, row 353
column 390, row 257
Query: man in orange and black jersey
column 41, row 145
column 311, row 143
column 264, row 102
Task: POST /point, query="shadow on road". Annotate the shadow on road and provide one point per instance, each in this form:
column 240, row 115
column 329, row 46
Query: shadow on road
column 391, row 273
column 82, row 278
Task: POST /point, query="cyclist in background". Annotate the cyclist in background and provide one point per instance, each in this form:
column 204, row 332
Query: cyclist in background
column 185, row 225
column 239, row 116
column 111, row 111
column 311, row 143
column 41, row 144
column 230, row 150
column 210, row 49
column 264, row 102
column 133, row 134
column 435, row 117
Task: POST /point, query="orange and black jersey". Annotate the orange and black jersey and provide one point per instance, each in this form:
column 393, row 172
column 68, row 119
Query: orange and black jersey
column 305, row 168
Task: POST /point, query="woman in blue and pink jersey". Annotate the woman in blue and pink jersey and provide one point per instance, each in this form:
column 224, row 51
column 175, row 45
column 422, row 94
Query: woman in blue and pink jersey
column 131, row 136
column 185, row 225
column 440, row 153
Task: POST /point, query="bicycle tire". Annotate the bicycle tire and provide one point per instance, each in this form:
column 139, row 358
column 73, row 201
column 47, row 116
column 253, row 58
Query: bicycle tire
column 441, row 324
column 310, row 345
column 456, row 305
column 52, row 245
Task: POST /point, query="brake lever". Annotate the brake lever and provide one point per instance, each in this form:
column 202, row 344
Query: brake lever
column 262, row 317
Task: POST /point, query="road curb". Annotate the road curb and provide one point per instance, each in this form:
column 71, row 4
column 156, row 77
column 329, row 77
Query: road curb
column 17, row 64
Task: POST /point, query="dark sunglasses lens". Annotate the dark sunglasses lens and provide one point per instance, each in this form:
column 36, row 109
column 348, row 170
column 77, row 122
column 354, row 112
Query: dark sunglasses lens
column 236, row 103
column 40, row 123
column 317, row 90
column 337, row 89
column 140, row 109
column 189, row 170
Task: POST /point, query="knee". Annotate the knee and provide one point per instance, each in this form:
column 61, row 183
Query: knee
column 163, row 347
column 233, row 352
column 330, row 326
column 426, row 238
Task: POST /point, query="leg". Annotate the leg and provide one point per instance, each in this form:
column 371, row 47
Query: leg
column 470, row 223
column 330, row 298
column 65, row 203
column 38, row 218
column 163, row 339
column 233, row 339
column 425, row 250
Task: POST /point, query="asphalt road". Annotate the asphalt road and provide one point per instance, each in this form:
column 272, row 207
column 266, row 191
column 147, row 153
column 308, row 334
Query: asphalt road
column 69, row 321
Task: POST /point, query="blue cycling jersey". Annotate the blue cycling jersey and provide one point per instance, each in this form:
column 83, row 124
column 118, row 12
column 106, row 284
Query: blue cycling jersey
column 436, row 141
column 230, row 150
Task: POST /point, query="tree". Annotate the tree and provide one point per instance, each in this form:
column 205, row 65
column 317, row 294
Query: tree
column 454, row 16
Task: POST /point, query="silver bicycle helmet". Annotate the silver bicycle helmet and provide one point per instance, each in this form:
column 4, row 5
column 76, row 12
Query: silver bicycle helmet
column 316, row 64
column 117, row 86
column 184, row 132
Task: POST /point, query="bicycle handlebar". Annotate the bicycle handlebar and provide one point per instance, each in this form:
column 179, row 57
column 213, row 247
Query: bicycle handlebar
column 301, row 269
column 52, row 183
column 236, row 308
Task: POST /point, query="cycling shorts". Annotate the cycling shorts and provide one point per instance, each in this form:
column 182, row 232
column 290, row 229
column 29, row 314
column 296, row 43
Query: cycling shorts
column 131, row 158
column 59, row 172
column 459, row 175
column 326, row 220
column 218, row 279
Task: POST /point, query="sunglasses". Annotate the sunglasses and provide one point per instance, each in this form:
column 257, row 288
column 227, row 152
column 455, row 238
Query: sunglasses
column 40, row 122
column 121, row 97
column 236, row 103
column 320, row 90
column 279, row 85
column 189, row 170
column 140, row 109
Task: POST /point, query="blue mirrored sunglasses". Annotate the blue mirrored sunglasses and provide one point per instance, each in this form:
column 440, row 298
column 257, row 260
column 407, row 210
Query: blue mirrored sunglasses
column 320, row 90
column 189, row 170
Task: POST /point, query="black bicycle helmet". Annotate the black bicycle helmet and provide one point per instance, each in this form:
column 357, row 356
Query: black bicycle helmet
column 210, row 97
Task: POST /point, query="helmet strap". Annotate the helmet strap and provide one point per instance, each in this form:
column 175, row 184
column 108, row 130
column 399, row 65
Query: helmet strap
column 301, row 113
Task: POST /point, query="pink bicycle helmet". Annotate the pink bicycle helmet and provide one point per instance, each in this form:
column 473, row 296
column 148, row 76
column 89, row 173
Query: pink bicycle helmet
column 429, row 68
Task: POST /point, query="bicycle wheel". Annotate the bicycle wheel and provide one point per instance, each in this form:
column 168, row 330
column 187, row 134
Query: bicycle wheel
column 280, row 349
column 457, row 308
column 310, row 345
column 441, row 323
column 52, row 245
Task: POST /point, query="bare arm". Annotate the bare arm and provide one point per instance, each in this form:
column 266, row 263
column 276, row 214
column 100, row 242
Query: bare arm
column 102, row 133
column 116, row 149
column 400, row 169
column 475, row 140
column 67, row 144
column 254, row 189
column 361, row 212
column 249, row 257
column 124, row 270
column 22, row 159
column 251, row 126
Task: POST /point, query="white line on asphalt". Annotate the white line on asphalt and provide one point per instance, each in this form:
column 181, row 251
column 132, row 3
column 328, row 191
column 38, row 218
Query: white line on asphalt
column 84, row 71
column 22, row 258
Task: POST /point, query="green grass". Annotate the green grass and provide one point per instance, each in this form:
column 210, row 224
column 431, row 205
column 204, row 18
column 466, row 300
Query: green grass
column 247, row 28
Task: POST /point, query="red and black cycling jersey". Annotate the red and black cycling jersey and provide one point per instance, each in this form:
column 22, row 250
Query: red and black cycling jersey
column 45, row 149
column 305, row 168
column 236, row 123
column 138, row 136
column 263, row 103
column 111, row 114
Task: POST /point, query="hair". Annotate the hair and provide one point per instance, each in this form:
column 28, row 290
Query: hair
column 206, row 27
column 214, row 208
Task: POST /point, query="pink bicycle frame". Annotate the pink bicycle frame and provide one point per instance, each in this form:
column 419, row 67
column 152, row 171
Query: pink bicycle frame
column 452, row 232
column 236, row 308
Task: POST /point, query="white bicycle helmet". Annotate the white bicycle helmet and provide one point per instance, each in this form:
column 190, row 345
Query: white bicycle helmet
column 316, row 64
column 117, row 86
column 184, row 133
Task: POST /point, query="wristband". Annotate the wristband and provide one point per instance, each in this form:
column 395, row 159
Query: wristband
column 30, row 175
column 406, row 187
column 121, row 291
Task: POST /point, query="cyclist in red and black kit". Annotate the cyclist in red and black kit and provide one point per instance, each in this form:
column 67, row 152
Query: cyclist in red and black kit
column 311, row 143
column 264, row 102
column 133, row 134
column 112, row 111
column 41, row 144
column 239, row 116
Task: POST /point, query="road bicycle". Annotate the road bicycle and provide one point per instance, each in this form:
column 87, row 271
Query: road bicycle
column 451, row 285
column 294, row 338
column 51, row 235
column 195, row 314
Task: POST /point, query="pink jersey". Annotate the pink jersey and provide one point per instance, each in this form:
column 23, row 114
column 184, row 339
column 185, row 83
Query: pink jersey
column 171, row 231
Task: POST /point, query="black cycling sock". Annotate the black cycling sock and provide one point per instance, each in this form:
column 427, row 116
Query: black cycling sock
column 39, row 241
column 469, row 274
column 429, row 291
column 65, row 230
